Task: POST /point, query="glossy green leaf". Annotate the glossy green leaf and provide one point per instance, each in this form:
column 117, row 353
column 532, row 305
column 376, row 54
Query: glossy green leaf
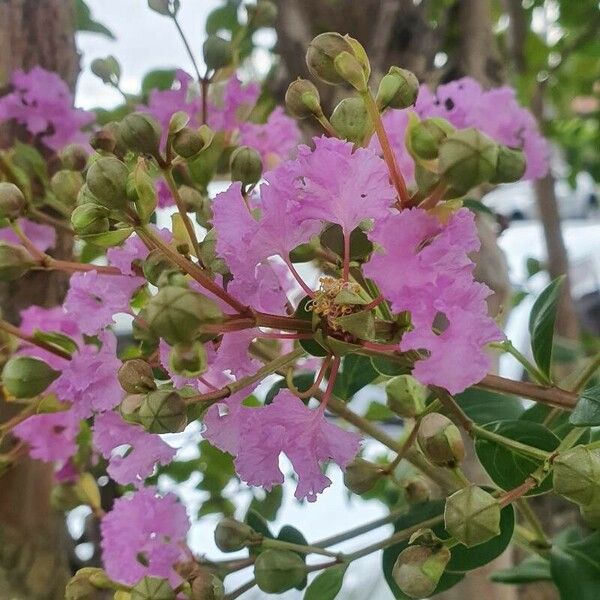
column 484, row 406
column 357, row 371
column 56, row 340
column 532, row 569
column 587, row 411
column 326, row 585
column 389, row 368
column 379, row 412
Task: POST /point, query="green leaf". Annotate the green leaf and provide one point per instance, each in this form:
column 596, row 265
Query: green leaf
column 302, row 382
column 85, row 22
column 56, row 340
column 379, row 412
column 224, row 17
column 508, row 469
column 268, row 506
column 357, row 372
column 587, row 411
column 158, row 79
column 484, row 407
column 291, row 534
column 360, row 245
column 108, row 239
column 327, row 584
column 388, row 368
column 541, row 325
column 532, row 569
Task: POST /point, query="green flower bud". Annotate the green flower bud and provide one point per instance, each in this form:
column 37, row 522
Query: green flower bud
column 140, row 133
column 232, row 535
column 576, row 475
column 278, row 570
column 468, row 158
column 188, row 360
column 361, row 475
column 418, row 569
column 208, row 587
column 163, row 411
column 66, row 185
column 156, row 265
column 15, row 261
column 135, row 376
column 26, row 377
column 90, row 218
column 511, row 165
column 194, row 201
column 107, row 181
column 350, row 70
column 398, row 89
column 152, row 588
column 74, row 157
column 130, row 407
column 82, row 585
column 218, row 53
column 187, row 142
column 176, row 314
column 302, row 99
column 321, row 55
column 246, row 165
column 107, row 69
column 351, row 120
column 406, row 396
column 262, row 14
column 440, row 440
column 425, row 137
column 472, row 516
column 209, row 256
column 416, row 490
column 104, row 140
column 12, row 201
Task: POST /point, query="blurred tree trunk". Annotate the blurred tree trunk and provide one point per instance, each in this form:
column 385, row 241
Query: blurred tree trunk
column 33, row 548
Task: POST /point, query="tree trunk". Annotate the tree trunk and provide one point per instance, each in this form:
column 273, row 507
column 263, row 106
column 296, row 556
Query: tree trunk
column 33, row 553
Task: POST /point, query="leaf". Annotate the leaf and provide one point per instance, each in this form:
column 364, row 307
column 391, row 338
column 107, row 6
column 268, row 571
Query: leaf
column 108, row 239
column 357, row 372
column 224, row 17
column 85, row 22
column 541, row 325
column 506, row 468
column 291, row 534
column 158, row 79
column 360, row 245
column 268, row 506
column 302, row 382
column 327, row 584
column 56, row 340
column 484, row 407
column 530, row 570
column 379, row 412
column 587, row 411
column 389, row 368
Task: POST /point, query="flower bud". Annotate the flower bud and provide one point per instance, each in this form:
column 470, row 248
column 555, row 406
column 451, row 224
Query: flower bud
column 321, row 54
column 152, row 588
column 361, row 475
column 107, row 181
column 107, row 69
column 418, row 569
column 425, row 137
column 209, row 256
column 472, row 516
column 140, row 133
column 398, row 89
column 15, row 261
column 208, row 587
column 510, row 166
column 406, row 396
column 302, row 99
column 66, row 185
column 26, row 377
column 467, row 158
column 135, row 376
column 163, row 411
column 188, row 360
column 246, row 165
column 278, row 570
column 232, row 535
column 82, row 585
column 156, row 265
column 350, row 69
column 130, row 407
column 12, row 201
column 591, row 515
column 74, row 157
column 416, row 490
column 351, row 120
column 104, row 140
column 440, row 440
column 90, row 218
column 218, row 53
column 262, row 14
column 576, row 475
column 177, row 313
column 187, row 142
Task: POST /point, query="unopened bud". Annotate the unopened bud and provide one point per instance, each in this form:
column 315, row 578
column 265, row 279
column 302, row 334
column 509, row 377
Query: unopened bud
column 425, row 137
column 107, row 181
column 152, row 588
column 511, row 165
column 361, row 475
column 472, row 516
column 104, row 140
column 232, row 535
column 351, row 120
column 26, row 377
column 187, row 142
column 418, row 569
column 84, row 585
column 406, row 396
column 176, row 314
column 188, row 360
column 107, row 69
column 136, row 377
column 66, row 185
column 576, row 475
column 15, row 261
column 467, row 158
column 246, row 165
column 440, row 440
column 416, row 490
column 74, row 157
column 262, row 14
column 140, row 133
column 302, row 99
column 218, row 53
column 398, row 89
column 12, row 201
column 209, row 256
column 208, row 587
column 278, row 570
column 130, row 407
column 321, row 55
column 350, row 70
column 156, row 265
column 163, row 411
column 89, row 219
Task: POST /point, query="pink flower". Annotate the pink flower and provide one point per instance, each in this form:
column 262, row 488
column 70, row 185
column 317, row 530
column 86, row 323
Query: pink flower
column 93, row 299
column 165, row 197
column 233, row 107
column 145, row 449
column 43, row 236
column 89, row 379
column 143, row 535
